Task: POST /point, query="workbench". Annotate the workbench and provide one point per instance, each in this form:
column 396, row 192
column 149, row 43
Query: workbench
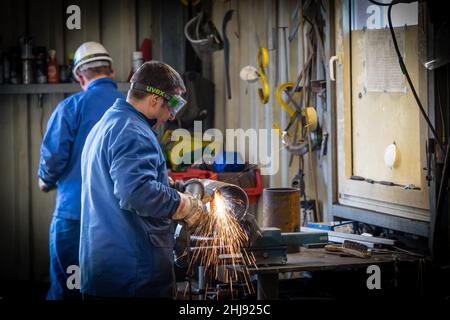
column 315, row 260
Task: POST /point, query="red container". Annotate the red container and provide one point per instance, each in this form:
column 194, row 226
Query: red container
column 192, row 173
column 254, row 193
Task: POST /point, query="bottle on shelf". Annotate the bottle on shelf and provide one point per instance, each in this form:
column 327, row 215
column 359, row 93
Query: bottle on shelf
column 41, row 65
column 52, row 68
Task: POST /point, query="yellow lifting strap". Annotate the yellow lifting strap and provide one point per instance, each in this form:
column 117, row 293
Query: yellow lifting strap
column 263, row 62
column 286, row 108
column 283, row 104
column 311, row 111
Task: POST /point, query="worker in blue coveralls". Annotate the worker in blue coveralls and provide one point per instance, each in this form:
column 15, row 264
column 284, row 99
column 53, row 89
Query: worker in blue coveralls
column 59, row 166
column 128, row 209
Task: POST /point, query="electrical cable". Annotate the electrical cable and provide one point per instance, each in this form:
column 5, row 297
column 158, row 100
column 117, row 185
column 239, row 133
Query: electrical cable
column 408, row 78
column 404, row 69
column 445, row 149
column 380, row 3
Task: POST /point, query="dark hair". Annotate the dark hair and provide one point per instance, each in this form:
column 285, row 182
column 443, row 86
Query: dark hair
column 156, row 74
column 91, row 73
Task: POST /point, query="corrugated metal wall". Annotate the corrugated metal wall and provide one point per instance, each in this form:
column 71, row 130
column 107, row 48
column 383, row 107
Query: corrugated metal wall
column 253, row 20
column 25, row 212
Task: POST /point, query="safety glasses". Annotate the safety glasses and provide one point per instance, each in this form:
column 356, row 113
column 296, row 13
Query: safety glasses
column 176, row 102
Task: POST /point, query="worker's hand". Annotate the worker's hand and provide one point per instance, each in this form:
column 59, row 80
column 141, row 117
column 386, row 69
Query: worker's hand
column 177, row 184
column 43, row 186
column 191, row 210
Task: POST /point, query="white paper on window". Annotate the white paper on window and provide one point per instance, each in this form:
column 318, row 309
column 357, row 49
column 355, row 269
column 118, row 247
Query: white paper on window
column 382, row 69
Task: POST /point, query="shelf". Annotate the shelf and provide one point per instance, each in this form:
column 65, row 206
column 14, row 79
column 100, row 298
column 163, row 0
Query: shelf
column 36, row 88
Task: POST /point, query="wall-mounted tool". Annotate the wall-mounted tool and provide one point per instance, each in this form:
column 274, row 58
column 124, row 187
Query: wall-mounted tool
column 295, row 21
column 226, row 48
column 290, row 143
column 280, row 100
column 249, row 74
column 297, row 149
column 203, row 35
column 263, row 63
column 291, row 112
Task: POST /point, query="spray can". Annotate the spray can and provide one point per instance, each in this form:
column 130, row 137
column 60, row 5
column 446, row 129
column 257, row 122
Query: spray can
column 26, row 44
column 27, row 71
column 26, row 48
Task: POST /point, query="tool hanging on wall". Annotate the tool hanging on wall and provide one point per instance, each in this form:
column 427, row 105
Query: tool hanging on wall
column 290, row 89
column 249, row 74
column 295, row 21
column 203, row 35
column 263, row 63
column 308, row 131
column 305, row 144
column 226, row 48
column 291, row 113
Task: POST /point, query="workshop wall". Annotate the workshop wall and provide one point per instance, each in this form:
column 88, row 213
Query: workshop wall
column 253, row 20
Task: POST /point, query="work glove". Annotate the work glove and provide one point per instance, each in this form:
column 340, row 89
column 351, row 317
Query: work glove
column 190, row 209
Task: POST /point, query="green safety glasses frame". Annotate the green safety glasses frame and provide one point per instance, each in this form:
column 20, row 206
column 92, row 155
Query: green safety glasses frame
column 176, row 102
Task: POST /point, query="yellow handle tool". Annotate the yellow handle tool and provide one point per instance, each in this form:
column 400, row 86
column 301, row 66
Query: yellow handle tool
column 263, row 62
column 285, row 106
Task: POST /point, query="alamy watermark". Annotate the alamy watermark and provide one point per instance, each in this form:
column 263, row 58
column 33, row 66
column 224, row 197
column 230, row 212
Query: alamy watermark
column 259, row 147
column 73, row 21
column 73, row 280
column 374, row 280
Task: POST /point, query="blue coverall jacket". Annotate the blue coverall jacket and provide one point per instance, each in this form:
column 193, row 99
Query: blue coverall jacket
column 59, row 167
column 127, row 235
column 64, row 139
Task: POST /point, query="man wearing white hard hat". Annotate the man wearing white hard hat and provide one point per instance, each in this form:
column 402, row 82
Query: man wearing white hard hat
column 59, row 166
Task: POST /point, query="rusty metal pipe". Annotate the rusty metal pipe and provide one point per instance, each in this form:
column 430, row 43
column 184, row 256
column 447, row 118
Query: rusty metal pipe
column 281, row 209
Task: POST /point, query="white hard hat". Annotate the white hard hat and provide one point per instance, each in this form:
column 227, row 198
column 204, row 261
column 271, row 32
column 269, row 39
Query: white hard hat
column 88, row 53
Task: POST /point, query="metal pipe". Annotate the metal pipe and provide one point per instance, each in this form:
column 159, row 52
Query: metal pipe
column 281, row 209
column 237, row 196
